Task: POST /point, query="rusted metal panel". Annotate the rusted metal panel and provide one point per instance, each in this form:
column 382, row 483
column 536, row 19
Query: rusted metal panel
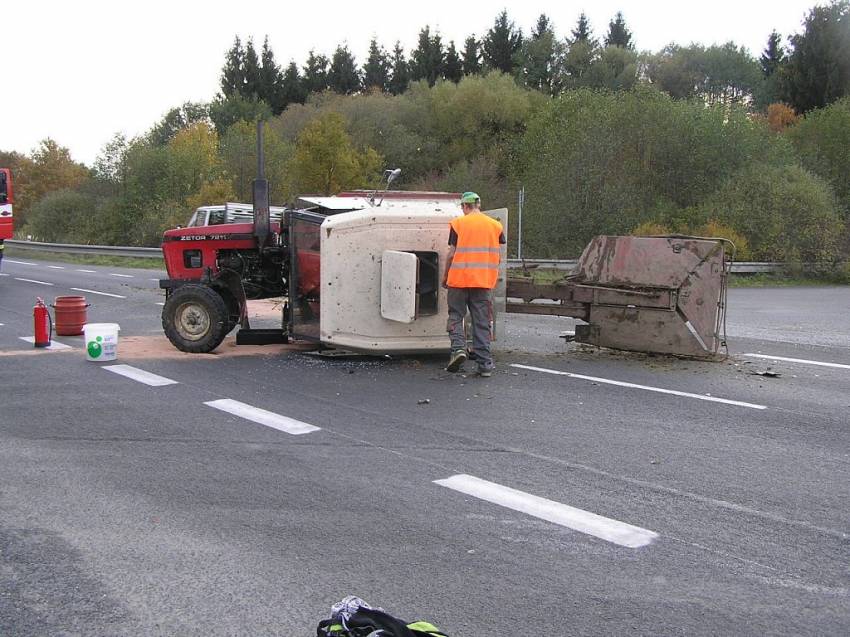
column 648, row 294
column 574, row 310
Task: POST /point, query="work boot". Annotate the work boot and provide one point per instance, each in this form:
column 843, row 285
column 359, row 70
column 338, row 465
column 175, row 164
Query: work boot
column 484, row 371
column 456, row 361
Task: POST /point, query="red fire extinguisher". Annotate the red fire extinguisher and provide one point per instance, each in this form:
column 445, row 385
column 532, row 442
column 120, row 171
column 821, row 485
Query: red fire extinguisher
column 43, row 324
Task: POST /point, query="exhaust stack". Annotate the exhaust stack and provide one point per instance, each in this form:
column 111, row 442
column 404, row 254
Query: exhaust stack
column 261, row 193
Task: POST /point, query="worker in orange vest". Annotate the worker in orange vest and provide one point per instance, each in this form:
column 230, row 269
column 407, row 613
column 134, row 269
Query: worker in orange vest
column 472, row 269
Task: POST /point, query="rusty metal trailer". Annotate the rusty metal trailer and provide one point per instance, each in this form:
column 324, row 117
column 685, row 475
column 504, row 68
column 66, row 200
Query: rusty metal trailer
column 664, row 295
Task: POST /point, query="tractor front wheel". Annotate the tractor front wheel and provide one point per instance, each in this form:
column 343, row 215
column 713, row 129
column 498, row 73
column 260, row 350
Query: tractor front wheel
column 195, row 319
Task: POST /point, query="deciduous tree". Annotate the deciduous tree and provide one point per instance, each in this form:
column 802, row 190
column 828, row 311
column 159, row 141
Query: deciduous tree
column 326, row 162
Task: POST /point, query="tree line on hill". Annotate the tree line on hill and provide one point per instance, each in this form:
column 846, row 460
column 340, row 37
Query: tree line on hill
column 690, row 139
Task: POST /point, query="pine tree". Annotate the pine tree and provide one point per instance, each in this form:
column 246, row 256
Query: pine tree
column 453, row 67
column 292, row 87
column 773, row 56
column 818, row 69
column 581, row 52
column 233, row 72
column 539, row 56
column 271, row 80
column 315, row 73
column 343, row 76
column 618, row 34
column 502, row 44
column 582, row 32
column 400, row 77
column 253, row 84
column 471, row 56
column 376, row 71
column 428, row 58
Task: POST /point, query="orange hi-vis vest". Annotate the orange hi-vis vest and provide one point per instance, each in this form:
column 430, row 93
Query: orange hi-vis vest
column 476, row 260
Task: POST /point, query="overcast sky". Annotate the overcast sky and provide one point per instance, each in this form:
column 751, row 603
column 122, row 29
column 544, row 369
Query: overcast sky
column 81, row 71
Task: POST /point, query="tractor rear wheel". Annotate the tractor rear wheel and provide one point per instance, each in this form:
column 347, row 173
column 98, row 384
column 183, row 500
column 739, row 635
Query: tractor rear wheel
column 195, row 319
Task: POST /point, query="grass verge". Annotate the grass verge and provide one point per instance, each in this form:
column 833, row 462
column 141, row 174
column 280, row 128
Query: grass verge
column 86, row 259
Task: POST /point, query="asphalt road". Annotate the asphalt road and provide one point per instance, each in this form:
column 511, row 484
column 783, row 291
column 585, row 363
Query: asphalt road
column 552, row 498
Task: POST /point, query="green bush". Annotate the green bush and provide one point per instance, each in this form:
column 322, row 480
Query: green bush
column 785, row 212
column 822, row 142
column 597, row 162
column 62, row 216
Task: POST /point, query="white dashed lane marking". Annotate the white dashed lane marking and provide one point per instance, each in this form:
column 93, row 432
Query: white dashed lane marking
column 798, row 360
column 659, row 390
column 2, row 274
column 160, row 303
column 19, row 262
column 140, row 375
column 125, row 276
column 263, row 417
column 53, row 344
column 56, row 267
column 87, row 271
column 115, row 296
column 562, row 514
column 32, row 281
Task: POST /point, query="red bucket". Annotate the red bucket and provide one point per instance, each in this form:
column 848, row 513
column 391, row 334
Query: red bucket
column 70, row 312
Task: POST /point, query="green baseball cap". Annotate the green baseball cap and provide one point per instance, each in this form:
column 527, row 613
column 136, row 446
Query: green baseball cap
column 470, row 197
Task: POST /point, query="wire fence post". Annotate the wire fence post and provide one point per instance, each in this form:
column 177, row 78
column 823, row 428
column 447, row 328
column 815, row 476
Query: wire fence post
column 520, row 202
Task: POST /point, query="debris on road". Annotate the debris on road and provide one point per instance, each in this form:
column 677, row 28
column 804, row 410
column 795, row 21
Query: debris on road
column 766, row 374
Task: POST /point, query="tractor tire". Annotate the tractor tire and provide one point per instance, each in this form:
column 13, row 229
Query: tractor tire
column 195, row 319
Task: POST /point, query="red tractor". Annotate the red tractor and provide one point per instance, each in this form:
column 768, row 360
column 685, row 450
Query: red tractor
column 214, row 270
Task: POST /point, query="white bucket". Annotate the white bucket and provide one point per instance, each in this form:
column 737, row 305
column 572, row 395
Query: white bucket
column 101, row 341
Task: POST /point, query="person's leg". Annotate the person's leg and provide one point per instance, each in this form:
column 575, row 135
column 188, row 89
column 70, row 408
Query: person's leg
column 456, row 299
column 481, row 308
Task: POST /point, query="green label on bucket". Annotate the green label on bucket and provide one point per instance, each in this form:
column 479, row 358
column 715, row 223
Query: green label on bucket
column 94, row 347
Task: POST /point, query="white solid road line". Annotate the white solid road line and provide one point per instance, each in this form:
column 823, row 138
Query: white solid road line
column 87, row 271
column 32, row 281
column 798, row 360
column 126, row 276
column 53, row 344
column 117, row 296
column 19, row 262
column 263, row 417
column 577, row 519
column 658, row 390
column 140, row 375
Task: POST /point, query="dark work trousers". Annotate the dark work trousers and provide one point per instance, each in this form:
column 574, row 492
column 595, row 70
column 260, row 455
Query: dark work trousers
column 480, row 304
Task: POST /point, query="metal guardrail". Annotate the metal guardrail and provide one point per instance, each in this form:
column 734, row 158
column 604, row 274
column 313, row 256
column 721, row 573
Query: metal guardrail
column 71, row 248
column 742, row 267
